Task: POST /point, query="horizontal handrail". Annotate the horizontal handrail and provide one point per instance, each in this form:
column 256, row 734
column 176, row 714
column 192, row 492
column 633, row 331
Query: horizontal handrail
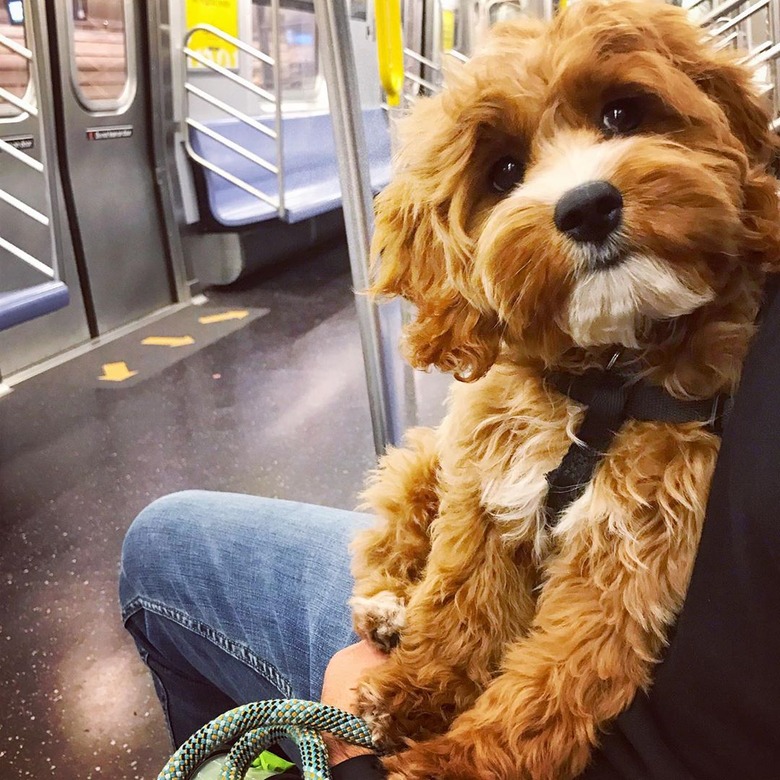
column 228, row 74
column 27, row 258
column 754, row 52
column 20, row 205
column 20, row 103
column 722, row 10
column 15, row 47
column 739, row 18
column 269, row 199
column 188, row 122
column 433, row 88
column 232, row 145
column 29, row 161
column 420, row 81
column 234, row 112
column 422, row 60
column 237, row 42
column 729, row 39
column 769, row 54
column 458, row 55
column 30, row 109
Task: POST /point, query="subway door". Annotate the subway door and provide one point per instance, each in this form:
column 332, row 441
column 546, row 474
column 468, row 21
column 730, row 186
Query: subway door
column 34, row 241
column 104, row 131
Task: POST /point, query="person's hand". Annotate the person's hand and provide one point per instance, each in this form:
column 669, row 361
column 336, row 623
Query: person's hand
column 338, row 689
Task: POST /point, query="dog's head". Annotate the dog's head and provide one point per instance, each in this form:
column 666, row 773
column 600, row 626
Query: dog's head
column 595, row 183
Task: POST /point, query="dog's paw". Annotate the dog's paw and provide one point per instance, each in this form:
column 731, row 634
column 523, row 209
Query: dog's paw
column 390, row 707
column 379, row 619
column 372, row 708
column 398, row 706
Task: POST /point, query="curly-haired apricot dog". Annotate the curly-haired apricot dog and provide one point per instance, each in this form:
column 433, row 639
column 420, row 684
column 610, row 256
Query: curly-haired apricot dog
column 587, row 194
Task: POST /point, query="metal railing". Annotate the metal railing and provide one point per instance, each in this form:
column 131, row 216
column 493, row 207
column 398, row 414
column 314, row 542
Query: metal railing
column 386, row 373
column 274, row 98
column 752, row 26
column 423, row 72
column 28, row 108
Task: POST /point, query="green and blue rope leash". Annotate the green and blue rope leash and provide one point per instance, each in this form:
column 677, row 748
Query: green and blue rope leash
column 252, row 728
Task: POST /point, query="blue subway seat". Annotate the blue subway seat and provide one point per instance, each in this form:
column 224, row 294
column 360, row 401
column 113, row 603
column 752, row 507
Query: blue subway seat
column 311, row 177
column 18, row 306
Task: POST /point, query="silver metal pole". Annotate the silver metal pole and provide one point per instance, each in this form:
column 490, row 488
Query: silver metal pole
column 384, row 369
column 275, row 22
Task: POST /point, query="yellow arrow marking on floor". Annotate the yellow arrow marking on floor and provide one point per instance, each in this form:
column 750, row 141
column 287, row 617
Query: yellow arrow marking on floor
column 168, row 341
column 224, row 317
column 116, row 372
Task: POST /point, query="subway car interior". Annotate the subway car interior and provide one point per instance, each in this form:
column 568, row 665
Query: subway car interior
column 185, row 203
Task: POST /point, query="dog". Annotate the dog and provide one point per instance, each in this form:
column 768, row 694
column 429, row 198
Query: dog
column 592, row 194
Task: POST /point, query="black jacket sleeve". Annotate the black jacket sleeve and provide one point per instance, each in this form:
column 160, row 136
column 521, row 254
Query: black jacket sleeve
column 359, row 768
column 712, row 709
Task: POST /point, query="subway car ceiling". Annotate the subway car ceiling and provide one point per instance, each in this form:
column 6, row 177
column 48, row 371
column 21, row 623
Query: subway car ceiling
column 134, row 175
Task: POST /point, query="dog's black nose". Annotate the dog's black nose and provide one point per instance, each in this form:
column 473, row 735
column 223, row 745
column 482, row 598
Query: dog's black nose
column 589, row 212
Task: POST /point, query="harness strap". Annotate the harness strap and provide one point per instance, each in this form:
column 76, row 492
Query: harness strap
column 611, row 399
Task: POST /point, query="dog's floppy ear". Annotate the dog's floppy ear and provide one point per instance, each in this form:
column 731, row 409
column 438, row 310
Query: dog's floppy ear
column 417, row 257
column 421, row 248
column 426, row 219
column 733, row 87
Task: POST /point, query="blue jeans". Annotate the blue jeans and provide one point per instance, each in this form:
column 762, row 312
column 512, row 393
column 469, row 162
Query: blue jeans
column 233, row 598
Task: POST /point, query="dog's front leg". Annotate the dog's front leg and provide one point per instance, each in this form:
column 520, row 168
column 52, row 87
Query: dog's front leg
column 474, row 598
column 390, row 557
column 602, row 621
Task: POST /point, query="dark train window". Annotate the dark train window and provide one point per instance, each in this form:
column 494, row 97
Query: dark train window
column 14, row 69
column 101, row 62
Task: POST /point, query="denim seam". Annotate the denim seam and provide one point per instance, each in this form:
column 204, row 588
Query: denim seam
column 238, row 651
column 162, row 695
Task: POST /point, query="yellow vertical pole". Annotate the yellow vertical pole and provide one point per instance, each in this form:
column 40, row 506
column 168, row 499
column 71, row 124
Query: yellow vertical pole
column 390, row 48
column 449, row 11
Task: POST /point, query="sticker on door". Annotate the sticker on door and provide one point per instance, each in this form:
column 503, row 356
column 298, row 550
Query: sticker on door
column 22, row 142
column 109, row 133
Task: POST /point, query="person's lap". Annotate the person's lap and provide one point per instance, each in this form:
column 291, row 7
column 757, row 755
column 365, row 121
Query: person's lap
column 234, row 598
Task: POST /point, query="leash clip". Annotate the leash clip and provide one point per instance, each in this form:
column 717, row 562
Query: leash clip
column 614, row 359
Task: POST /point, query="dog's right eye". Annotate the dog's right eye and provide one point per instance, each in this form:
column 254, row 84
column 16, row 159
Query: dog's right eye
column 506, row 174
column 623, row 116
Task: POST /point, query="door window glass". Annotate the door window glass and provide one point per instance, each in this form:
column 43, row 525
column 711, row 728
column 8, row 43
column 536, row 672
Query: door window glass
column 503, row 11
column 14, row 68
column 100, row 53
column 297, row 51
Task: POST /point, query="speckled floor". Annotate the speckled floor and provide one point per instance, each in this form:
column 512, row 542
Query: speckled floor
column 276, row 408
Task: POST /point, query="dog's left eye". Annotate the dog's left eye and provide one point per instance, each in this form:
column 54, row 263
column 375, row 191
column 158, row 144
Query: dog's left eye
column 623, row 116
column 506, row 173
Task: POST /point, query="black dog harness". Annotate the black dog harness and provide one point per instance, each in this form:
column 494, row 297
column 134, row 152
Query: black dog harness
column 612, row 399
